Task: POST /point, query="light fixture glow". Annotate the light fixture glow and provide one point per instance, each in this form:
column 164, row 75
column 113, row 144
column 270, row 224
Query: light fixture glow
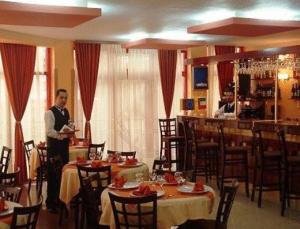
column 283, row 76
column 82, row 3
column 214, row 15
column 272, row 13
column 176, row 35
column 135, row 36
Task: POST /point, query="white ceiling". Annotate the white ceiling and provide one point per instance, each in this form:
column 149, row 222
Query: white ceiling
column 124, row 20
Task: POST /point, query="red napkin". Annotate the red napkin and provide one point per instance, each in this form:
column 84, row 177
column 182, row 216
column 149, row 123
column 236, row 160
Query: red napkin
column 144, row 190
column 199, row 186
column 41, row 144
column 170, row 178
column 113, row 159
column 80, row 160
column 119, row 181
column 96, row 164
column 132, row 161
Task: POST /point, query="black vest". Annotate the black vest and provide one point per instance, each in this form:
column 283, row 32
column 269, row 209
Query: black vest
column 228, row 108
column 53, row 144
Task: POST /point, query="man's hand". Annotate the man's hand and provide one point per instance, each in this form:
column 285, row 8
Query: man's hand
column 62, row 136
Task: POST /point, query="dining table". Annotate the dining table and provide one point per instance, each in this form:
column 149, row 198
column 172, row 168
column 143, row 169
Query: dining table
column 6, row 215
column 173, row 208
column 74, row 152
column 70, row 184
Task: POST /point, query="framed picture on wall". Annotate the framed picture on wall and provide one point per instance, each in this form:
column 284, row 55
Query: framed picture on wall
column 200, row 77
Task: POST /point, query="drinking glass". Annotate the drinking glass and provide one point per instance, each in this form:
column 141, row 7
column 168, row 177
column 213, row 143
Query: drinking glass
column 153, row 176
column 178, row 177
column 139, row 177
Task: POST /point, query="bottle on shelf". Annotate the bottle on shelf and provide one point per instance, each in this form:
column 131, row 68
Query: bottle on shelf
column 293, row 91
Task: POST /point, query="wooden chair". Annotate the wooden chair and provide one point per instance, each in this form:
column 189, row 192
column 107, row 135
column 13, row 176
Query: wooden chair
column 233, row 157
column 223, row 213
column 42, row 170
column 291, row 173
column 100, row 178
column 122, row 212
column 206, row 155
column 31, row 214
column 5, row 159
column 125, row 154
column 266, row 162
column 11, row 193
column 170, row 142
column 9, row 179
column 97, row 150
column 28, row 147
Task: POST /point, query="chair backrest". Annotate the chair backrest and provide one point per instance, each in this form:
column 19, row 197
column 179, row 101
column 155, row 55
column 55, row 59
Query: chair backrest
column 225, row 205
column 5, row 159
column 90, row 201
column 221, row 139
column 9, row 178
column 167, row 127
column 42, row 152
column 128, row 154
column 101, row 176
column 28, row 146
column 257, row 142
column 30, row 214
column 129, row 211
column 97, row 150
column 11, row 193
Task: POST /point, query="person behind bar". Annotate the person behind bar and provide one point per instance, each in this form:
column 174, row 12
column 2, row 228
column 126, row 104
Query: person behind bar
column 227, row 108
column 57, row 147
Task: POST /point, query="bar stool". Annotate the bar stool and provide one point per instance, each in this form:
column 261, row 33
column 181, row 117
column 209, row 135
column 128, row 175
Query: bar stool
column 206, row 156
column 233, row 156
column 291, row 172
column 171, row 141
column 265, row 162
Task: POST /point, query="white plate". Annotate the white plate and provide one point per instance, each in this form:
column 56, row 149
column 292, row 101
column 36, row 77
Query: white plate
column 127, row 185
column 188, row 189
column 130, row 166
column 160, row 193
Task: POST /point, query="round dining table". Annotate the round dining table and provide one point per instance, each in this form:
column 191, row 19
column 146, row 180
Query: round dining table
column 70, row 184
column 74, row 152
column 174, row 208
column 6, row 216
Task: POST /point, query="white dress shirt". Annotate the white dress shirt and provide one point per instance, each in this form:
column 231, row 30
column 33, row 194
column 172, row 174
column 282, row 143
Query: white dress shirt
column 221, row 111
column 49, row 123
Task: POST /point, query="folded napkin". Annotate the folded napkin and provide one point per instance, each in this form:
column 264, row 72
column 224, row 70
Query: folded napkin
column 119, row 181
column 144, row 190
column 199, row 186
column 113, row 158
column 131, row 161
column 80, row 160
column 169, row 178
column 41, row 144
column 96, row 164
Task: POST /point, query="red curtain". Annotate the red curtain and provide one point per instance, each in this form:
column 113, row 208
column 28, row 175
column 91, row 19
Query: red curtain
column 18, row 65
column 167, row 66
column 225, row 68
column 87, row 60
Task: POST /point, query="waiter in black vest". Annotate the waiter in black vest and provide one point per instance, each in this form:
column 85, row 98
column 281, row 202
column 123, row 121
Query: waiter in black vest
column 57, row 147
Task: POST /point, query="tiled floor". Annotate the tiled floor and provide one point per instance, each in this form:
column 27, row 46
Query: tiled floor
column 245, row 215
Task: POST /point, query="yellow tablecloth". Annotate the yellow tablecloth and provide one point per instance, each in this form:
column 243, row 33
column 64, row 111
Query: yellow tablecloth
column 70, row 184
column 173, row 208
column 34, row 162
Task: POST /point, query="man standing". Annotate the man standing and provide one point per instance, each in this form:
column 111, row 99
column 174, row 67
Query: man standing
column 57, row 147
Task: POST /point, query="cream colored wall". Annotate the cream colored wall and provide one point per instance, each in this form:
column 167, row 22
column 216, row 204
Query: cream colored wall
column 63, row 61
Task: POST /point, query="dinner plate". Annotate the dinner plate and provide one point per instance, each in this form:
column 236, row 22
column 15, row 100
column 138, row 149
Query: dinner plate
column 188, row 189
column 127, row 185
column 123, row 164
column 160, row 193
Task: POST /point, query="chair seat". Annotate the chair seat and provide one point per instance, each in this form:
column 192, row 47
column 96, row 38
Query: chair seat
column 207, row 144
column 202, row 224
column 236, row 149
column 293, row 159
column 173, row 138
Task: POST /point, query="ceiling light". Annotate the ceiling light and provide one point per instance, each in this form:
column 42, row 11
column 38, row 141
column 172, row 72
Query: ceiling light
column 135, row 36
column 272, row 13
column 214, row 15
column 176, row 35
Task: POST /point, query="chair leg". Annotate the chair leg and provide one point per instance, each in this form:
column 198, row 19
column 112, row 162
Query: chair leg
column 29, row 186
column 222, row 179
column 246, row 176
column 261, row 186
column 217, row 169
column 254, row 182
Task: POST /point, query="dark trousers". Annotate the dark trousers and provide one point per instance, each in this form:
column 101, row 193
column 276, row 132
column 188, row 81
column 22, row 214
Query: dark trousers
column 57, row 157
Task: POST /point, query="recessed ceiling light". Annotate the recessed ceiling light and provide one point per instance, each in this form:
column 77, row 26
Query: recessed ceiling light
column 214, row 15
column 176, row 35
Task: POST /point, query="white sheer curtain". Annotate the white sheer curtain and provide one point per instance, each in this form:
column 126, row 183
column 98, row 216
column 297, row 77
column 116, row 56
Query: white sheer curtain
column 33, row 119
column 127, row 106
column 213, row 84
